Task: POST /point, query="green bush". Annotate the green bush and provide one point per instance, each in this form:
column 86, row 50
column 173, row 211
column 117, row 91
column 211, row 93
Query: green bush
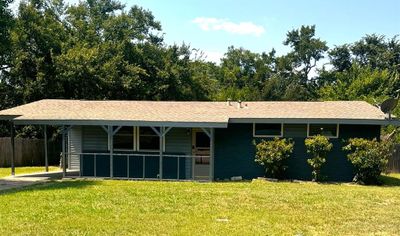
column 319, row 147
column 369, row 158
column 271, row 154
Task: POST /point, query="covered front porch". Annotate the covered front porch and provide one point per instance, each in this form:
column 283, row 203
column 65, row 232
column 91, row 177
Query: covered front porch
column 135, row 152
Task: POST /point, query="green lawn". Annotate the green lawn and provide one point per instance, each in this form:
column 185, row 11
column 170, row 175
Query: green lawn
column 25, row 170
column 77, row 207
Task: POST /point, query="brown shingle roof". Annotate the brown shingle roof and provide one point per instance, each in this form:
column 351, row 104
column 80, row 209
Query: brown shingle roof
column 191, row 112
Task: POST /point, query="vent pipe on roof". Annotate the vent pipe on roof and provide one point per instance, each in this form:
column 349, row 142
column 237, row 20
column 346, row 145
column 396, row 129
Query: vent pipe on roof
column 239, row 103
column 228, row 102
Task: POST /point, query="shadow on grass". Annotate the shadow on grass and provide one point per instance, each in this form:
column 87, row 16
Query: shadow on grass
column 51, row 185
column 388, row 180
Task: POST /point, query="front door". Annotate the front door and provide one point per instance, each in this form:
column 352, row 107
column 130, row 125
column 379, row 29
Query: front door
column 201, row 151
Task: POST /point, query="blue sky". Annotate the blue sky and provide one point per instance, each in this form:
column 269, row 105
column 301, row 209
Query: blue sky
column 260, row 25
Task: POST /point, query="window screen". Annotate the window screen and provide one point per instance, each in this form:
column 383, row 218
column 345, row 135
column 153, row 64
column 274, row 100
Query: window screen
column 148, row 139
column 123, row 139
column 272, row 129
column 329, row 130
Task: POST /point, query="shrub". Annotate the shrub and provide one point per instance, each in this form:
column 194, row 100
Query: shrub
column 271, row 154
column 319, row 147
column 369, row 158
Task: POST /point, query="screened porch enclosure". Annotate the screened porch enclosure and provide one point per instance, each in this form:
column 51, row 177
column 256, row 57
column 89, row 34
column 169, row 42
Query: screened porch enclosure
column 139, row 152
column 137, row 166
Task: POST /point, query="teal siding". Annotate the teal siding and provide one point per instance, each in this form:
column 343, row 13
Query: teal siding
column 234, row 152
column 179, row 140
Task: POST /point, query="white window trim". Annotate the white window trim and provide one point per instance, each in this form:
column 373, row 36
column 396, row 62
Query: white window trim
column 134, row 143
column 267, row 136
column 146, row 150
column 337, row 131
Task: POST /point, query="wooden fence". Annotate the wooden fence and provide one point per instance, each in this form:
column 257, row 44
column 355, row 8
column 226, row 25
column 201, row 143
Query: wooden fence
column 28, row 152
column 394, row 160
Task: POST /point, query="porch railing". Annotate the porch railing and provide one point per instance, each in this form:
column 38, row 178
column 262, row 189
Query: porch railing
column 137, row 165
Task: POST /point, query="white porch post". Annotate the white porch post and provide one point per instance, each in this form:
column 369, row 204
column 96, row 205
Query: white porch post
column 212, row 132
column 161, row 134
column 46, row 159
column 64, row 161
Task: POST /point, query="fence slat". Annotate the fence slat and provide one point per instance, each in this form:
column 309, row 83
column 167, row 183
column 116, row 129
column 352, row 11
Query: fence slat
column 394, row 161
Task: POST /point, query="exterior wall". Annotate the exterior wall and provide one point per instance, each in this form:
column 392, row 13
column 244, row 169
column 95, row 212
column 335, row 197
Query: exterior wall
column 234, row 152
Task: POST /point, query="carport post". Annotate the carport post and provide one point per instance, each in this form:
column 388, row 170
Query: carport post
column 46, row 160
column 12, row 149
column 161, row 152
column 111, row 147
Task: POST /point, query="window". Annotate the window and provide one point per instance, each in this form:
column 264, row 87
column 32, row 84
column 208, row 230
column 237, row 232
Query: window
column 328, row 130
column 123, row 139
column 148, row 139
column 202, row 140
column 268, row 130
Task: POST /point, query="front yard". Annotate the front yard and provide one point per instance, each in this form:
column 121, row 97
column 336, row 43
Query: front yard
column 77, row 207
column 4, row 172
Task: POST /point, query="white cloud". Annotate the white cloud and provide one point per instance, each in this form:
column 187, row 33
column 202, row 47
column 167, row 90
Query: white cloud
column 215, row 24
column 213, row 56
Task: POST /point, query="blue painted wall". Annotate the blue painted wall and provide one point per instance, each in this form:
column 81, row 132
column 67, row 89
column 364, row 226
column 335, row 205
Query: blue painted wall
column 234, row 152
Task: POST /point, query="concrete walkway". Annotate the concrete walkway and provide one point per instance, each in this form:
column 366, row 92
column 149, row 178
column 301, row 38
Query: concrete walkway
column 24, row 180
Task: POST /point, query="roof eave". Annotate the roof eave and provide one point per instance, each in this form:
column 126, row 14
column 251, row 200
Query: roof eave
column 8, row 117
column 394, row 122
column 121, row 123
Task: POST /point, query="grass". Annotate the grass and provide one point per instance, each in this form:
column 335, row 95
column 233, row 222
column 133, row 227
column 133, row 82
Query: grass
column 4, row 172
column 105, row 207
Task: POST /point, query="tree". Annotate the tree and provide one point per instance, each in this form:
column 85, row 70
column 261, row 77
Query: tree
column 6, row 22
column 243, row 73
column 371, row 50
column 272, row 154
column 38, row 37
column 318, row 147
column 356, row 83
column 95, row 49
column 340, row 58
column 306, row 50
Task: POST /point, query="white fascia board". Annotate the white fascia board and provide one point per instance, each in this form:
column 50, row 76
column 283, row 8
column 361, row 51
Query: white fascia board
column 394, row 122
column 122, row 123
